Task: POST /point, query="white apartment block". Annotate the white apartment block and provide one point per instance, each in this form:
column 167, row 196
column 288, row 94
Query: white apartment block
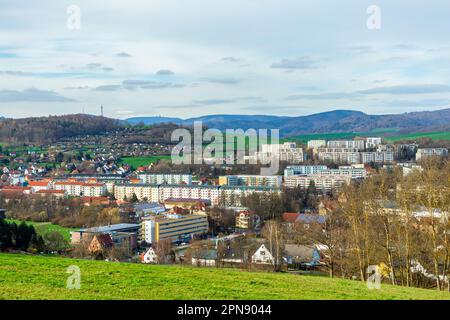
column 354, row 171
column 251, row 181
column 373, row 142
column 160, row 193
column 347, row 144
column 287, row 151
column 142, row 191
column 429, row 152
column 155, row 178
column 81, row 188
column 323, row 183
column 340, row 155
column 315, row 144
column 377, row 157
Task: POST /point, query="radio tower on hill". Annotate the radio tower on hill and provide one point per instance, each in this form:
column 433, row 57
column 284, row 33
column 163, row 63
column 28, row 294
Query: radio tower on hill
column 101, row 110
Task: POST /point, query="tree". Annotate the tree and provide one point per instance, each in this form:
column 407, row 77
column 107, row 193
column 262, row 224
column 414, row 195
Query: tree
column 54, row 241
column 274, row 233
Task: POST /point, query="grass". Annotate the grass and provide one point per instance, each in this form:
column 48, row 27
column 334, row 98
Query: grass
column 391, row 135
column 42, row 277
column 440, row 135
column 45, row 227
column 136, row 162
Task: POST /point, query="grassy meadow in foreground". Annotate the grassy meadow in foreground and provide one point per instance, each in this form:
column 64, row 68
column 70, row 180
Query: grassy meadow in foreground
column 40, row 277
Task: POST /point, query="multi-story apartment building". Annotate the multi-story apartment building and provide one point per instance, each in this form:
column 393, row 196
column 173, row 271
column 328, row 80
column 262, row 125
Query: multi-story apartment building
column 251, row 181
column 173, row 227
column 147, row 192
column 303, row 170
column 77, row 189
column 347, row 144
column 323, row 183
column 377, row 157
column 315, row 144
column 340, row 155
column 213, row 194
column 429, row 152
column 157, row 178
column 287, row 151
column 373, row 142
column 352, row 171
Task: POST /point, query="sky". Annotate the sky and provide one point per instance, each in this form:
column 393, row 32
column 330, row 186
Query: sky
column 186, row 58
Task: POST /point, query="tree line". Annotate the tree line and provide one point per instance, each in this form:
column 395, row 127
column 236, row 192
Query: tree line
column 396, row 222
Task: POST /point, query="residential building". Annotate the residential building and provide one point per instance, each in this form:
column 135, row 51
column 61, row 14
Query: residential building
column 373, row 142
column 74, row 188
column 262, row 256
column 287, row 151
column 247, row 220
column 340, row 155
column 149, row 256
column 323, row 183
column 377, row 157
column 157, row 178
column 100, row 243
column 173, row 227
column 315, row 144
column 359, row 145
column 353, row 171
column 251, row 181
column 429, row 152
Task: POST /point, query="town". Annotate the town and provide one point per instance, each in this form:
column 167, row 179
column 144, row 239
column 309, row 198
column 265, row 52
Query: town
column 294, row 221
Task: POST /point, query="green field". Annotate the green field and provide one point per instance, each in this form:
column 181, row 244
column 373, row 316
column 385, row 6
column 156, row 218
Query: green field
column 136, row 162
column 44, row 227
column 442, row 135
column 41, row 277
column 391, row 135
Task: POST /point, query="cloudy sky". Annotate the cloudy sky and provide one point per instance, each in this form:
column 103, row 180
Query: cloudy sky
column 194, row 57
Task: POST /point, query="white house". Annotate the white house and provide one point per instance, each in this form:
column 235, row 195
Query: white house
column 262, row 256
column 150, row 256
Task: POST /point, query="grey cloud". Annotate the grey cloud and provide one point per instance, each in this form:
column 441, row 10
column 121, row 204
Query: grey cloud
column 362, row 49
column 229, row 100
column 221, row 80
column 108, row 69
column 77, row 88
column 32, row 95
column 418, row 103
column 123, row 55
column 408, row 89
column 108, row 87
column 93, row 65
column 323, row 96
column 302, row 63
column 229, row 59
column 139, row 84
column 144, row 84
column 164, row 72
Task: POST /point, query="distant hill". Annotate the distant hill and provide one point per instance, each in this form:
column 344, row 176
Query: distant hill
column 43, row 130
column 153, row 120
column 325, row 122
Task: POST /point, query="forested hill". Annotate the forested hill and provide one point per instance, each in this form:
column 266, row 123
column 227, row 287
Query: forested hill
column 44, row 130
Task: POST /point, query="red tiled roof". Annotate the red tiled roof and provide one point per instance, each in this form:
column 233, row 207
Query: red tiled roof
column 51, row 191
column 105, row 239
column 290, row 217
column 38, row 184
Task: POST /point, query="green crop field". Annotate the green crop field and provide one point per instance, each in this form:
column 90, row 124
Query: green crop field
column 442, row 135
column 44, row 227
column 41, row 277
column 136, row 162
column 390, row 135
